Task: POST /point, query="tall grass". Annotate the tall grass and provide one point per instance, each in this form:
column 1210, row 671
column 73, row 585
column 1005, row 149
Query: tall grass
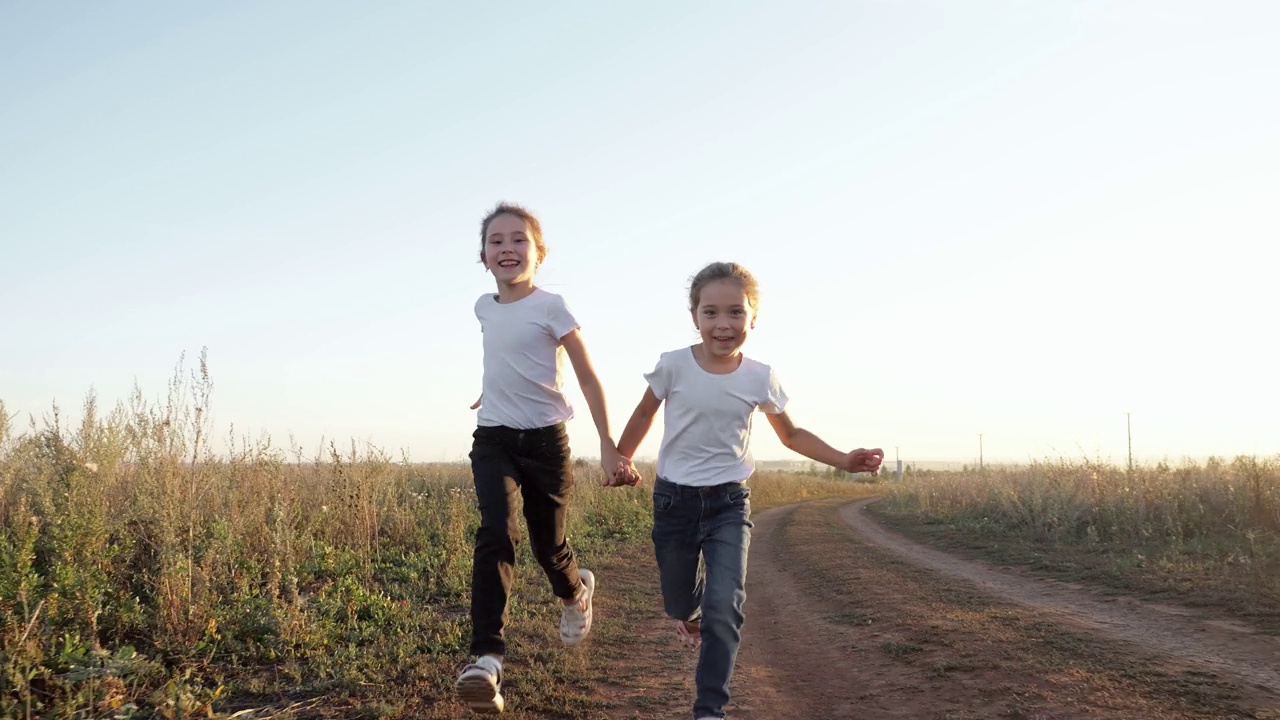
column 1199, row 526
column 144, row 575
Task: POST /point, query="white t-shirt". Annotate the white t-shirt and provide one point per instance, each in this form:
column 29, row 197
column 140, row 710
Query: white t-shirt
column 523, row 360
column 707, row 435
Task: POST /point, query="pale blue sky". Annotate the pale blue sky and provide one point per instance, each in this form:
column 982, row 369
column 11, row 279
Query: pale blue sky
column 1020, row 219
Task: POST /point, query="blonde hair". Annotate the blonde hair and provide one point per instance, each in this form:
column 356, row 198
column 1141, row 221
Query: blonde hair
column 725, row 271
column 530, row 220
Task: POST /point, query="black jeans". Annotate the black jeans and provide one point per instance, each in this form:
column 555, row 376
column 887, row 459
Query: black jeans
column 534, row 463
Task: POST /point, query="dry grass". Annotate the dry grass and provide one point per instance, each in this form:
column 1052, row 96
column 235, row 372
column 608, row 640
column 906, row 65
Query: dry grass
column 1200, row 533
column 143, row 575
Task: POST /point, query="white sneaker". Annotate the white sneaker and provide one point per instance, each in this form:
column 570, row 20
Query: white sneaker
column 575, row 620
column 478, row 685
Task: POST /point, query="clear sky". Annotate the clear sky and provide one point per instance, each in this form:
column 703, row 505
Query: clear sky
column 1021, row 219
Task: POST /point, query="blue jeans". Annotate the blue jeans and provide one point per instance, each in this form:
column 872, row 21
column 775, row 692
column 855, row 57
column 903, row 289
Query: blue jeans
column 711, row 525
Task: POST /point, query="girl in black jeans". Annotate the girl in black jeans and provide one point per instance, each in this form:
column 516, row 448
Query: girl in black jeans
column 521, row 446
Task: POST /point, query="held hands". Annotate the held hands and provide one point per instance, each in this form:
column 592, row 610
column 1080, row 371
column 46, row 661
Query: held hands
column 625, row 473
column 618, row 470
column 863, row 460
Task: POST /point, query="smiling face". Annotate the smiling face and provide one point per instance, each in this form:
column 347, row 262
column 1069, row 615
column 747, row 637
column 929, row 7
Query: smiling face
column 510, row 251
column 724, row 317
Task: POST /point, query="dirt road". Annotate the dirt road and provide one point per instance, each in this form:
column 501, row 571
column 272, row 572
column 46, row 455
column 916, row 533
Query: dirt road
column 1226, row 647
column 849, row 620
column 846, row 619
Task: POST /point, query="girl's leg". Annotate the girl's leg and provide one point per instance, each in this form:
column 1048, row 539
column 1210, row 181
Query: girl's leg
column 493, row 564
column 547, row 486
column 727, row 535
column 676, row 547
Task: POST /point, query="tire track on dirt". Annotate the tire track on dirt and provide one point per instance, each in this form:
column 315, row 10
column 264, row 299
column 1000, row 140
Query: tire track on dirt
column 798, row 660
column 1183, row 635
column 847, row 620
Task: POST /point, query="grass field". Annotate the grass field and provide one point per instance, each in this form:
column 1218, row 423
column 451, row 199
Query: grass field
column 1202, row 534
column 143, row 576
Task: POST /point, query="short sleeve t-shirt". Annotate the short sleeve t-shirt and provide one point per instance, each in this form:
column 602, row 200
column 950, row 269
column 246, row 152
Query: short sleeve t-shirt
column 707, row 419
column 523, row 360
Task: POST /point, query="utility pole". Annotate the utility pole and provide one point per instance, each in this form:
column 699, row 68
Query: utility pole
column 1128, row 421
column 979, row 452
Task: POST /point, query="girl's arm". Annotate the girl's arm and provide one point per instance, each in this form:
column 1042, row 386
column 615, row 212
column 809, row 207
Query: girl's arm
column 813, row 447
column 632, row 435
column 594, row 394
column 639, row 424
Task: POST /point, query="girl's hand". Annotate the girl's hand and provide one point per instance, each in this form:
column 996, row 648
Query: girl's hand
column 613, row 464
column 626, row 473
column 863, row 460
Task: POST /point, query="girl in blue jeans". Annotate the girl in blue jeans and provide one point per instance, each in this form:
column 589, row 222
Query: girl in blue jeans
column 701, row 507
